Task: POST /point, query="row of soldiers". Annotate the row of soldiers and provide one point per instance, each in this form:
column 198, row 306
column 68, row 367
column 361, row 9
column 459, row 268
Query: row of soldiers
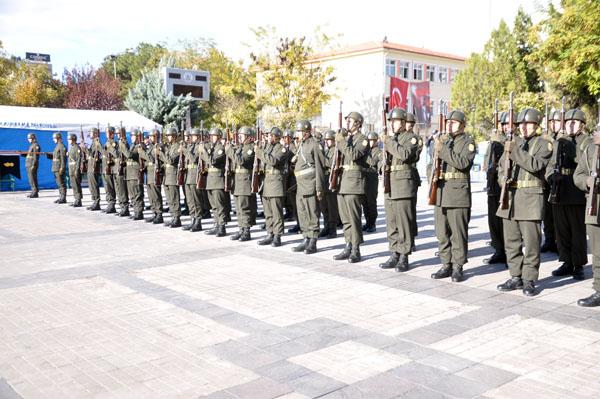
column 341, row 171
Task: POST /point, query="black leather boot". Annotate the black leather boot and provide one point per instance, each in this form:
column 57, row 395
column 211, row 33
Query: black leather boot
column 391, row 262
column 402, row 265
column 212, row 231
column 578, row 273
column 150, row 219
column 324, row 232
column 497, row 257
column 513, row 283
column 197, row 226
column 529, row 288
column 591, row 301
column 221, row 231
column 189, row 226
column 444, row 272
column 158, row 219
column 311, row 248
column 302, row 246
column 276, row 241
column 138, row 216
column 237, row 235
column 566, row 269
column 176, row 222
column 345, row 254
column 354, row 255
column 267, row 240
column 294, row 229
column 245, row 234
column 457, row 273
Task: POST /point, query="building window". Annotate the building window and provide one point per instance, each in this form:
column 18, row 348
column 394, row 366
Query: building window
column 443, row 74
column 418, row 71
column 431, row 73
column 453, row 73
column 390, row 67
column 404, row 67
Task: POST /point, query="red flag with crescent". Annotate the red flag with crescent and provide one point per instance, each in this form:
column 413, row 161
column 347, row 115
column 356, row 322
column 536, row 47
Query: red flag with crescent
column 398, row 93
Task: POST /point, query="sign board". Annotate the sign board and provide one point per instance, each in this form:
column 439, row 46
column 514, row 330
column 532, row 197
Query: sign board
column 37, row 57
column 184, row 81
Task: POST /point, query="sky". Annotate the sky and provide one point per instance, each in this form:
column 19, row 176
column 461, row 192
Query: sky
column 79, row 32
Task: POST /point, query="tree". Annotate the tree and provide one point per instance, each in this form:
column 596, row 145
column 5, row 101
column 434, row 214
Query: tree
column 289, row 86
column 148, row 98
column 232, row 87
column 487, row 76
column 88, row 88
column 32, row 85
column 130, row 64
column 7, row 69
column 569, row 57
column 522, row 33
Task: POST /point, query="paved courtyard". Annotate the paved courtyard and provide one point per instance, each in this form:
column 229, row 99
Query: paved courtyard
column 92, row 305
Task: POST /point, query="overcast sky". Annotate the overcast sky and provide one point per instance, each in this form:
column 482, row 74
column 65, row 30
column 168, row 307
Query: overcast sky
column 79, row 32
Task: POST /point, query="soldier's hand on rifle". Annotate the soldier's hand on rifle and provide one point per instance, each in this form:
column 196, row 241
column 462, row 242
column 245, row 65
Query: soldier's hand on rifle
column 509, row 145
column 339, row 136
column 319, row 195
column 180, row 148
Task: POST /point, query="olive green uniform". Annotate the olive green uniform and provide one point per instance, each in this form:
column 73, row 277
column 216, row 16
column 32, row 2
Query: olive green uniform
column 59, row 169
column 353, row 186
column 491, row 161
column 569, row 210
column 135, row 187
column 32, row 161
column 372, row 185
column 94, row 156
column 245, row 200
column 328, row 203
column 75, row 172
column 292, row 188
column 274, row 158
column 170, row 160
column 109, row 155
column 586, row 167
column 548, row 225
column 452, row 210
column 310, row 179
column 399, row 212
column 214, row 156
column 192, row 193
column 154, row 190
column 417, row 178
column 522, row 219
column 120, row 184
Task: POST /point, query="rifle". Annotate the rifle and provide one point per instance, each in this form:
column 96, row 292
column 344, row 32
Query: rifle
column 437, row 162
column 386, row 158
column 592, row 208
column 201, row 172
column 181, row 165
column 507, row 169
column 83, row 156
column 140, row 145
column 547, row 120
column 227, row 186
column 256, row 164
column 96, row 154
column 157, row 166
column 122, row 161
column 336, row 163
column 558, row 163
column 109, row 160
column 493, row 160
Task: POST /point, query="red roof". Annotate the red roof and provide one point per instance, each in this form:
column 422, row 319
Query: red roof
column 374, row 46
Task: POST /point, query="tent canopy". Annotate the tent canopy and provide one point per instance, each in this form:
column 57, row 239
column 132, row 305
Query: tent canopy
column 70, row 120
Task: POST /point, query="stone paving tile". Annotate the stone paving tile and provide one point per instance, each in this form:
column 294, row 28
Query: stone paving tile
column 260, row 388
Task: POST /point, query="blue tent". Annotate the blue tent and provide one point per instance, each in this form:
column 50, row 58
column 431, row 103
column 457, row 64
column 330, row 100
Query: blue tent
column 17, row 122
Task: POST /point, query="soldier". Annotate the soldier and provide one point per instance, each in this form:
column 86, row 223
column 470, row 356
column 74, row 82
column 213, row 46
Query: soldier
column 93, row 168
column 402, row 146
column 586, row 178
column 154, row 180
column 291, row 212
column 549, row 244
column 134, row 174
column 191, row 152
column 351, row 194
column 522, row 219
column 372, row 183
column 410, row 125
column 492, row 161
column 213, row 154
column 328, row 203
column 568, row 203
column 109, row 155
column 452, row 210
column 121, row 186
column 32, row 160
column 310, row 182
column 245, row 201
column 274, row 158
column 75, row 164
column 170, row 159
column 58, row 167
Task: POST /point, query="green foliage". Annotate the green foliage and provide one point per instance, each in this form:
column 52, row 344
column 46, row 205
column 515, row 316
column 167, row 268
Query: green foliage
column 148, row 98
column 525, row 46
column 289, row 87
column 568, row 57
column 7, row 68
column 32, row 85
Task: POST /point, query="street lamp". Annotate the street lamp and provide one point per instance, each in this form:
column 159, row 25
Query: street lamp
column 114, row 60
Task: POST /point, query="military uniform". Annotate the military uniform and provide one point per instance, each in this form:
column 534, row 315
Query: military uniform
column 120, row 185
column 452, row 210
column 170, row 160
column 568, row 206
column 548, row 225
column 154, row 190
column 109, row 157
column 352, row 188
column 245, row 200
column 291, row 211
column 525, row 211
column 274, row 158
column 94, row 156
column 59, row 168
column 586, row 168
column 193, row 194
column 492, row 163
column 372, row 184
column 410, row 118
column 135, row 186
column 328, row 202
column 403, row 150
column 75, row 161
column 32, row 160
column 310, row 180
column 215, row 158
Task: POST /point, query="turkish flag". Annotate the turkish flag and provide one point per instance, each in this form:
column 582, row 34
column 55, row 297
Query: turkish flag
column 398, row 93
